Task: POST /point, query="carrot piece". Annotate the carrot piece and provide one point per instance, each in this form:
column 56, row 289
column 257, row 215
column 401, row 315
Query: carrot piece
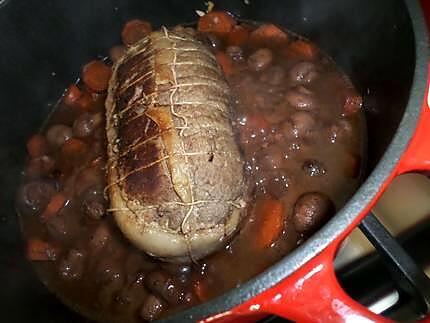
column 96, row 75
column 237, row 36
column 39, row 250
column 271, row 213
column 225, row 62
column 91, row 100
column 37, row 146
column 72, row 95
column 81, row 98
column 85, row 102
column 73, row 147
column 57, row 202
column 268, row 34
column 304, row 49
column 134, row 30
column 219, row 23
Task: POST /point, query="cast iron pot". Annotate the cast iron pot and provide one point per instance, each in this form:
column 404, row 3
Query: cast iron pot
column 381, row 44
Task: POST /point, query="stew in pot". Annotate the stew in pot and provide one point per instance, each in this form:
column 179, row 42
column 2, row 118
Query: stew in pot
column 298, row 123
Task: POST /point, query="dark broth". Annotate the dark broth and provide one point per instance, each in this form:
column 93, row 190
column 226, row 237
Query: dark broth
column 301, row 130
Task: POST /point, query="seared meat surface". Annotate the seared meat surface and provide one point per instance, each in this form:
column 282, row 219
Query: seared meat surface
column 175, row 173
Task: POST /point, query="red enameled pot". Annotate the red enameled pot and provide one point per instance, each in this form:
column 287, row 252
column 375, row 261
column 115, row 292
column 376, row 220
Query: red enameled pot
column 382, row 45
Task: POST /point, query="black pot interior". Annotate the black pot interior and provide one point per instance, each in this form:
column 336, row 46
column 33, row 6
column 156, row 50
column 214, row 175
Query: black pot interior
column 43, row 45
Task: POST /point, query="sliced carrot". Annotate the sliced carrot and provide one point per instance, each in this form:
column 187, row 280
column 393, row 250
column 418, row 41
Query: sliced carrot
column 57, row 202
column 237, row 36
column 82, row 98
column 271, row 224
column 268, row 34
column 304, row 49
column 219, row 23
column 225, row 62
column 72, row 95
column 85, row 102
column 134, row 30
column 93, row 100
column 39, row 250
column 37, row 146
column 73, row 148
column 96, row 75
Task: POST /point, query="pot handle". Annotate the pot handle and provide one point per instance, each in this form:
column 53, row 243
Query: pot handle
column 310, row 294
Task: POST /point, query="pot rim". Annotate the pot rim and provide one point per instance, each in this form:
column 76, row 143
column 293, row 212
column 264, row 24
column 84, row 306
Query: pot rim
column 353, row 208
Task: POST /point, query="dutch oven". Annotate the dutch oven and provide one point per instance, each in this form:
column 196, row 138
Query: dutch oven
column 383, row 47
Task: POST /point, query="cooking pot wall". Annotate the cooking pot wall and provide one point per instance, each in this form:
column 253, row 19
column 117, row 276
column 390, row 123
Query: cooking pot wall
column 43, row 45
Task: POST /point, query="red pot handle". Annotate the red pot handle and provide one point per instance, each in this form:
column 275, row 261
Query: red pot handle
column 312, row 293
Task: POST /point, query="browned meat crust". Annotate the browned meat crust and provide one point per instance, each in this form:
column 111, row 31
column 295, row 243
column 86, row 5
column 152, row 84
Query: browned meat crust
column 175, row 174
